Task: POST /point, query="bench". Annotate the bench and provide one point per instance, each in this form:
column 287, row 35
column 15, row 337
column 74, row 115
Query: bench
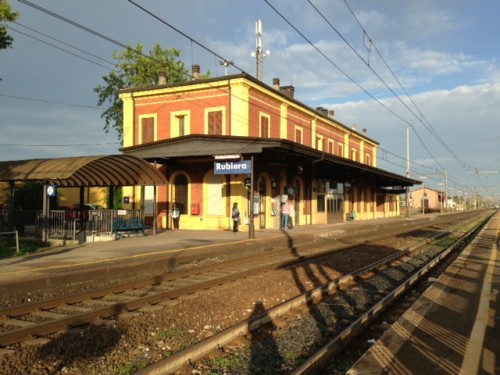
column 127, row 226
column 351, row 215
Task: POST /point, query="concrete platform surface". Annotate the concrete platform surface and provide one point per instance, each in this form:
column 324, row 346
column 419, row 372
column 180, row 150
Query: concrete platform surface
column 454, row 328
column 180, row 245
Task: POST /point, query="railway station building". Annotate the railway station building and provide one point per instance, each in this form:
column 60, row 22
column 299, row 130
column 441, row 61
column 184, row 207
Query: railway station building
column 234, row 139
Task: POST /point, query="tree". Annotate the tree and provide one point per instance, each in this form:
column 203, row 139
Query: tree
column 6, row 14
column 135, row 69
column 27, row 195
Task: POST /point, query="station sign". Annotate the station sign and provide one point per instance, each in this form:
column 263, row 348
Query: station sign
column 51, row 190
column 233, row 167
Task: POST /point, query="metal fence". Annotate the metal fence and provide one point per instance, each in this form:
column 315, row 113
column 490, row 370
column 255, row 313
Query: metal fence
column 66, row 224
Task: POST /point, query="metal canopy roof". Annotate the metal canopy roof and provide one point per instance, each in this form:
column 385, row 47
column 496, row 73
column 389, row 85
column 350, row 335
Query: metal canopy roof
column 114, row 170
column 326, row 165
column 201, row 146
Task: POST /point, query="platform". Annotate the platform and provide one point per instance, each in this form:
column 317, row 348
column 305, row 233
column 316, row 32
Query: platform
column 454, row 328
column 176, row 246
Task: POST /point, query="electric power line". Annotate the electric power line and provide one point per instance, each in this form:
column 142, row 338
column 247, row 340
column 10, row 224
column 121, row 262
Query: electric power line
column 427, row 124
column 66, row 44
column 59, row 48
column 199, row 44
column 47, row 101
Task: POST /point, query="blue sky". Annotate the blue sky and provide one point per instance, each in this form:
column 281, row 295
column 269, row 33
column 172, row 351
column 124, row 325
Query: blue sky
column 444, row 77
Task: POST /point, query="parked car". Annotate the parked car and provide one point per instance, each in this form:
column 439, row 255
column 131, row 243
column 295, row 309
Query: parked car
column 73, row 211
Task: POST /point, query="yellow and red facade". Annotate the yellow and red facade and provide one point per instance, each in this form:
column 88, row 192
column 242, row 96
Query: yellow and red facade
column 240, row 106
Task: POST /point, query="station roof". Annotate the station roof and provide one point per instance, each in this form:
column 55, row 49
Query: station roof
column 277, row 151
column 113, row 170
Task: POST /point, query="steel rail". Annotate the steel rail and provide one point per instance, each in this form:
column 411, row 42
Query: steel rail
column 202, row 348
column 341, row 340
column 153, row 297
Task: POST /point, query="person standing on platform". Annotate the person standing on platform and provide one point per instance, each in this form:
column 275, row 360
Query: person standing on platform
column 175, row 216
column 236, row 217
column 285, row 213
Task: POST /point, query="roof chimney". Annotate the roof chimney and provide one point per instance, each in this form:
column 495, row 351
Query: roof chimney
column 322, row 110
column 363, row 131
column 196, row 71
column 288, row 91
column 276, row 83
column 162, row 79
column 331, row 113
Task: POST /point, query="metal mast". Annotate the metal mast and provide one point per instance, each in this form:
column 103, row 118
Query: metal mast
column 259, row 54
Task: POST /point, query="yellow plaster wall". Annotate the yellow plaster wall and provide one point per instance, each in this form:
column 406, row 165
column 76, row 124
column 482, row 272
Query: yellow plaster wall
column 128, row 119
column 240, row 109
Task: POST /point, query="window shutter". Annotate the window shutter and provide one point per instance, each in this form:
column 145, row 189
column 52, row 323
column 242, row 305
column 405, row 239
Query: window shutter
column 215, row 122
column 264, row 127
column 148, row 127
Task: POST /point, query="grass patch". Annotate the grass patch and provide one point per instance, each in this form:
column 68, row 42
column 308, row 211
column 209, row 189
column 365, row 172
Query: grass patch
column 131, row 368
column 341, row 365
column 8, row 247
column 294, row 357
column 225, row 362
column 170, row 332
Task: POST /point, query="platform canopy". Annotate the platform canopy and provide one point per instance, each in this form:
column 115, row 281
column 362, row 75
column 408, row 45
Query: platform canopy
column 114, row 170
column 271, row 151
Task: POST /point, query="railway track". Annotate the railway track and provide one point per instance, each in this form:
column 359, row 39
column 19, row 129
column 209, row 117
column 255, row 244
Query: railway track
column 17, row 323
column 367, row 292
column 66, row 348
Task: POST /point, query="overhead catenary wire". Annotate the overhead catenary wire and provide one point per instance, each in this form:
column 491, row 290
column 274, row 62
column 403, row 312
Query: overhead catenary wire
column 334, row 64
column 65, row 43
column 192, row 40
column 215, row 54
column 59, row 48
column 47, row 101
column 87, row 29
column 432, row 131
column 124, row 46
column 421, row 116
column 76, row 24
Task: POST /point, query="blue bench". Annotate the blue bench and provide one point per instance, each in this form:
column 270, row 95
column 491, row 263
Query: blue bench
column 351, row 215
column 122, row 226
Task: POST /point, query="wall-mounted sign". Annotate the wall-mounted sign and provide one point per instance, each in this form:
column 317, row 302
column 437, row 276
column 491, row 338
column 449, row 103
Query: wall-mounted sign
column 233, row 167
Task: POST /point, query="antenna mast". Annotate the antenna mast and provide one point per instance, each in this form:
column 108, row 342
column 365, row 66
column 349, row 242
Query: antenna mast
column 259, row 54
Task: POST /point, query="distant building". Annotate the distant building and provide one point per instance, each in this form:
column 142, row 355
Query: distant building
column 427, row 200
column 205, row 134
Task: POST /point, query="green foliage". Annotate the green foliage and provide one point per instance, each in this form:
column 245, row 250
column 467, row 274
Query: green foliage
column 170, row 332
column 134, row 69
column 6, row 14
column 131, row 367
column 29, row 196
column 225, row 362
column 8, row 247
column 117, row 198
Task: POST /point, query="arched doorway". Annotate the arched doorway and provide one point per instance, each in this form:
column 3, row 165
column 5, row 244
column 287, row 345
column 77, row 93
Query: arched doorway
column 262, row 189
column 297, row 190
column 181, row 193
